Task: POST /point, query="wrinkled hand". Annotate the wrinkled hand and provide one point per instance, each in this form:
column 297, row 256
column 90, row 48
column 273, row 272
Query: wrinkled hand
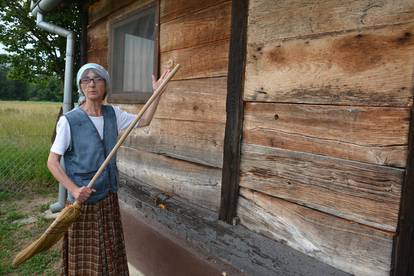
column 83, row 193
column 157, row 83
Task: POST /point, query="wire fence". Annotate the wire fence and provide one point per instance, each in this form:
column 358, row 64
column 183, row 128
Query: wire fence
column 26, row 129
column 23, row 163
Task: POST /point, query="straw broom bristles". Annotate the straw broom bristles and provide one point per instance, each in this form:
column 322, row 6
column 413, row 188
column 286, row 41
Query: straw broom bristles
column 52, row 235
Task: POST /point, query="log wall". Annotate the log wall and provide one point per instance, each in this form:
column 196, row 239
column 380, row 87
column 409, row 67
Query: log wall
column 181, row 151
column 328, row 91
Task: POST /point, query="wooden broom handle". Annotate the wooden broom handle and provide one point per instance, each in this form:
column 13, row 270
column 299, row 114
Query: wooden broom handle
column 156, row 94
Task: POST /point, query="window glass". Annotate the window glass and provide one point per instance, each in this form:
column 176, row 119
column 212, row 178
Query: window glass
column 133, row 59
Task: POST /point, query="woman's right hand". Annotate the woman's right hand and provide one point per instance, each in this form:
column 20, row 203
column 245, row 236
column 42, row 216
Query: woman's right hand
column 82, row 194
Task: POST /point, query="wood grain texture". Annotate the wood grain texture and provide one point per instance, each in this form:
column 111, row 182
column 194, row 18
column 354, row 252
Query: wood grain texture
column 351, row 247
column 375, row 135
column 97, row 44
column 367, row 194
column 270, row 20
column 198, row 142
column 172, row 9
column 104, row 9
column 201, row 27
column 372, row 67
column 197, row 184
column 210, row 60
column 234, row 111
column 188, row 124
column 99, row 56
column 201, row 100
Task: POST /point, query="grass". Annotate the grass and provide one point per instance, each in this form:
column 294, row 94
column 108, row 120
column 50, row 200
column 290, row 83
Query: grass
column 14, row 236
column 16, row 118
column 25, row 141
column 26, row 186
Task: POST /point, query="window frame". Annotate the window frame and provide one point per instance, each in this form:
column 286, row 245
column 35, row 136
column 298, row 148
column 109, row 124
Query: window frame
column 135, row 96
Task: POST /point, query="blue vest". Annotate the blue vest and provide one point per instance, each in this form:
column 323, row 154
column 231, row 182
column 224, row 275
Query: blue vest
column 87, row 151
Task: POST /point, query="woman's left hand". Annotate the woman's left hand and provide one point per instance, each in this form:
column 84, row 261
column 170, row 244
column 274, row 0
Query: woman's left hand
column 157, row 83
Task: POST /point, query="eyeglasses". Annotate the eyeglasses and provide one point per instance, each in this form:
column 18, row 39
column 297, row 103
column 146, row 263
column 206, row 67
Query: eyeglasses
column 95, row 80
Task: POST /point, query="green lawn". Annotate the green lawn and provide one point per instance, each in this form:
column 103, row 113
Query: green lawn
column 26, row 186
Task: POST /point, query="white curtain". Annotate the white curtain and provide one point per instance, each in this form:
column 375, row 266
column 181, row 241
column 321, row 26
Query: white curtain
column 138, row 64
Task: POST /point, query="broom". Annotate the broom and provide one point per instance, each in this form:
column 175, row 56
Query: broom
column 72, row 212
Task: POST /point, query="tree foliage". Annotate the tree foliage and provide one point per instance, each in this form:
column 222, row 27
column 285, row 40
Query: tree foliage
column 36, row 55
column 45, row 90
column 11, row 89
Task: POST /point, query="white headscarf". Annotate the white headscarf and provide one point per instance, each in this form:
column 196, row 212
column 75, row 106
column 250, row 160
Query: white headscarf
column 100, row 70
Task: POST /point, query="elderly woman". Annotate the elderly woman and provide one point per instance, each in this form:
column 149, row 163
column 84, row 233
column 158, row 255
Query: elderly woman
column 94, row 245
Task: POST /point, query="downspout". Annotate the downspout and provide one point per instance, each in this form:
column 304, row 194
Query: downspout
column 37, row 10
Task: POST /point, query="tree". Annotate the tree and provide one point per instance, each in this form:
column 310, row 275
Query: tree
column 34, row 54
column 11, row 89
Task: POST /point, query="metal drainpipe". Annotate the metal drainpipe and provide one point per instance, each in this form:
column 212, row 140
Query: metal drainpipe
column 67, row 90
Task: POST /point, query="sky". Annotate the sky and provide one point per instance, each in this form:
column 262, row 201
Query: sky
column 1, row 49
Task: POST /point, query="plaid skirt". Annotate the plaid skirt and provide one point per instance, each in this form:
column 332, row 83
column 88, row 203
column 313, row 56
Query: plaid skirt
column 94, row 245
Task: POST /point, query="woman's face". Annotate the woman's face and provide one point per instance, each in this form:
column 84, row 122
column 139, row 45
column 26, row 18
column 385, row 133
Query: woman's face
column 93, row 86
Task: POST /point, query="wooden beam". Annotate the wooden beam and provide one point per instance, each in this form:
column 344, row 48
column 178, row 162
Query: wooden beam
column 212, row 23
column 192, row 141
column 204, row 61
column 173, row 9
column 234, row 110
column 352, row 247
column 360, row 68
column 403, row 251
column 193, row 182
column 376, row 135
column 360, row 192
column 289, row 19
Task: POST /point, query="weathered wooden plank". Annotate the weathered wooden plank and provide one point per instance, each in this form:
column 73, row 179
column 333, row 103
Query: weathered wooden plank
column 364, row 193
column 198, row 184
column 375, row 135
column 234, row 111
column 372, row 67
column 99, row 56
column 204, row 26
column 171, row 9
column 193, row 141
column 352, row 247
column 270, row 20
column 202, row 100
column 97, row 44
column 403, row 257
column 252, row 253
column 205, row 61
column 103, row 8
column 98, row 36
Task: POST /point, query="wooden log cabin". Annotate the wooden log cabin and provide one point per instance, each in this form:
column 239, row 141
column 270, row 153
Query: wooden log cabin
column 290, row 119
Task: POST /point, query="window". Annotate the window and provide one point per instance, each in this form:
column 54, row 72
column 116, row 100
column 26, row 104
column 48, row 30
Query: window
column 134, row 55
